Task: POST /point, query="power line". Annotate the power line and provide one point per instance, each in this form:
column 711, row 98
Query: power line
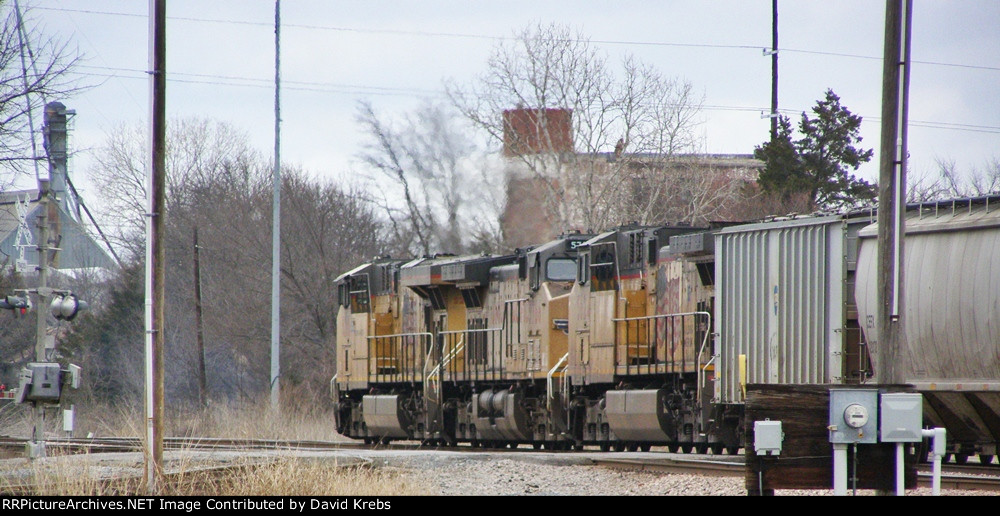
column 508, row 38
column 360, row 89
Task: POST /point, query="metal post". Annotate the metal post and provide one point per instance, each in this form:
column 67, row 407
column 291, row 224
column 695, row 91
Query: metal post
column 36, row 447
column 774, row 70
column 276, row 220
column 900, row 470
column 840, row 469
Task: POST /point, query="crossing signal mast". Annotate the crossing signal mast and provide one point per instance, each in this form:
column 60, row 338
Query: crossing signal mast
column 42, row 382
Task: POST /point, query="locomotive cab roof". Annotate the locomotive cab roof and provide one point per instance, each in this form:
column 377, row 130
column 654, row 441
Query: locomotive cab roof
column 453, row 270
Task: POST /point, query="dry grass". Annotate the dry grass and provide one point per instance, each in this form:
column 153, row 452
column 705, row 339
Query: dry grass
column 288, row 476
column 250, row 421
column 187, row 475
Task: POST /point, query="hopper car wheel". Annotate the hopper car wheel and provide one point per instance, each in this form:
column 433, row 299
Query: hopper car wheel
column 537, row 445
column 513, row 446
column 619, row 446
column 674, row 448
column 686, row 448
column 732, row 450
column 633, row 447
column 701, row 448
column 368, row 440
column 985, row 458
column 645, row 446
column 961, row 458
column 605, row 446
column 946, row 458
column 578, row 447
column 384, row 441
column 716, row 449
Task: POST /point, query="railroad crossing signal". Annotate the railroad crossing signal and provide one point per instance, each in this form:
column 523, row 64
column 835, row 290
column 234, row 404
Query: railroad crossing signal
column 20, row 305
column 66, row 307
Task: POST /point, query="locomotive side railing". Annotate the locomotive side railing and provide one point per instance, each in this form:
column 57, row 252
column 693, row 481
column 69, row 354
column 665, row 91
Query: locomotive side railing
column 398, row 358
column 482, row 353
column 652, row 343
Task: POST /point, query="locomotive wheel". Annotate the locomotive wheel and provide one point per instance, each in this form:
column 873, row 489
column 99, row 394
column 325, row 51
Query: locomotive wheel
column 701, row 448
column 716, row 449
column 985, row 458
column 605, row 446
column 732, row 450
column 674, row 448
column 645, row 446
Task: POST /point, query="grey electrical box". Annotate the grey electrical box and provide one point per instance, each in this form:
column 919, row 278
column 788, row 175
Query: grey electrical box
column 40, row 381
column 767, row 437
column 853, row 416
column 902, row 417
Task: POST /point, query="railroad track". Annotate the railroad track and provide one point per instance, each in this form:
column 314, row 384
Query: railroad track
column 131, row 444
column 963, row 477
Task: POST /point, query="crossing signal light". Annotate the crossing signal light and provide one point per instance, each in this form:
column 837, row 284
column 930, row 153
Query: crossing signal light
column 20, row 305
column 65, row 308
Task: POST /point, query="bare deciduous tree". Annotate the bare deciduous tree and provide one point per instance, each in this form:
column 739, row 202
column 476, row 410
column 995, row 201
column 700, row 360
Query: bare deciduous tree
column 617, row 120
column 951, row 182
column 432, row 180
column 196, row 148
column 34, row 69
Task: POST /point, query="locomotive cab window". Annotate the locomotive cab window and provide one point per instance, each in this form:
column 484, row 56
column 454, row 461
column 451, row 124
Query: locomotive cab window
column 602, row 271
column 560, row 269
column 359, row 293
column 343, row 295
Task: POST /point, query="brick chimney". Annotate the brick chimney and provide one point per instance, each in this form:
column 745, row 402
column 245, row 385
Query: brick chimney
column 536, row 131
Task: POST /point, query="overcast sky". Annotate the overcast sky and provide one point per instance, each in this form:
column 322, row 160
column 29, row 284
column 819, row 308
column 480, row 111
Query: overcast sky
column 220, row 65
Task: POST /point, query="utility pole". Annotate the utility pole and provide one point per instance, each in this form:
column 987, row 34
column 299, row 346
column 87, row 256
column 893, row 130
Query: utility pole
column 199, row 327
column 892, row 180
column 155, row 252
column 276, row 221
column 774, row 70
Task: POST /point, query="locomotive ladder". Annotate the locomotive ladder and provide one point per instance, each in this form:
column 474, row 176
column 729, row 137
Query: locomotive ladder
column 433, row 392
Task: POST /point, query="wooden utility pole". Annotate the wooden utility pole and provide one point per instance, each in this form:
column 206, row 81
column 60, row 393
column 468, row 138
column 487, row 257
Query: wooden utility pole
column 892, row 182
column 276, row 222
column 199, row 327
column 155, row 251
